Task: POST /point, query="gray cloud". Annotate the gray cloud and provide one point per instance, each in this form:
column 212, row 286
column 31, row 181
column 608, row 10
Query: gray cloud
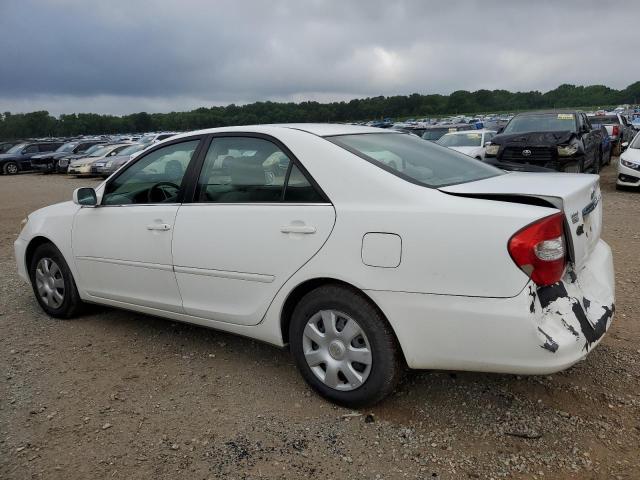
column 131, row 55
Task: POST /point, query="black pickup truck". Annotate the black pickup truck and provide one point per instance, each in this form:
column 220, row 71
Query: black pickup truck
column 558, row 140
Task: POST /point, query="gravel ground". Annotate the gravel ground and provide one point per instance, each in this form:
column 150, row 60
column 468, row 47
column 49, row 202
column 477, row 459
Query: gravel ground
column 120, row 395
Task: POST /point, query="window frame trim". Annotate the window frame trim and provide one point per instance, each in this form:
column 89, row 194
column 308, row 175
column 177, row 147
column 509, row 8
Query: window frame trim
column 190, row 196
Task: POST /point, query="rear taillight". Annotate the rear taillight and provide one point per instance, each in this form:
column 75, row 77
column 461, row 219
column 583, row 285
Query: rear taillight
column 615, row 130
column 539, row 249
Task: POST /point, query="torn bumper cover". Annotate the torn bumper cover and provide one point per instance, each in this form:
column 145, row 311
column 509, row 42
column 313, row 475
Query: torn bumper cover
column 540, row 331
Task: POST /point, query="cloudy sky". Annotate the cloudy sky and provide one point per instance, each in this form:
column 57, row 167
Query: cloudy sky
column 123, row 56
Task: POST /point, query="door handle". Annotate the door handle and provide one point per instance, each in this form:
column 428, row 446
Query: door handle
column 305, row 229
column 163, row 227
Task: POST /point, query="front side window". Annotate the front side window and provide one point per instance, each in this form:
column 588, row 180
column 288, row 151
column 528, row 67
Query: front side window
column 415, row 160
column 251, row 170
column 154, row 178
column 32, row 149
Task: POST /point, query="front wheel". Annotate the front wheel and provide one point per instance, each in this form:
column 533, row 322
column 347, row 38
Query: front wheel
column 10, row 168
column 53, row 283
column 344, row 347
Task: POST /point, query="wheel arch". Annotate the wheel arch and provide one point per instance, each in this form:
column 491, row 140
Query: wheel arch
column 311, row 284
column 34, row 243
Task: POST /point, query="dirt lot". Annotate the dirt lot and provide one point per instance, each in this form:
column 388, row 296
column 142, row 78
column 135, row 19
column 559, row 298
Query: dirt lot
column 119, row 395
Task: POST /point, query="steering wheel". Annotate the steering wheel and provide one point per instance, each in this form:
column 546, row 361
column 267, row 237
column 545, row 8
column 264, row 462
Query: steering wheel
column 165, row 190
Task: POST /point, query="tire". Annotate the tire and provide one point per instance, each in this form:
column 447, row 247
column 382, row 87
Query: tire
column 11, row 168
column 369, row 332
column 53, row 284
column 617, row 149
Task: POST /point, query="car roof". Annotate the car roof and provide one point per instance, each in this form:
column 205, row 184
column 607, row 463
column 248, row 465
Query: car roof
column 467, row 132
column 549, row 112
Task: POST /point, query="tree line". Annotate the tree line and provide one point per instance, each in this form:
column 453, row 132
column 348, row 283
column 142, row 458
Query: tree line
column 42, row 124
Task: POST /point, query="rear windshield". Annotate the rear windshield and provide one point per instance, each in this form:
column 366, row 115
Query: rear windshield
column 415, row 160
column 603, row 120
column 461, row 140
column 544, row 122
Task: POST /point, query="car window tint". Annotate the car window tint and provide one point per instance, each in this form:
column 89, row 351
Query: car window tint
column 32, row 149
column 153, row 178
column 242, row 170
column 299, row 189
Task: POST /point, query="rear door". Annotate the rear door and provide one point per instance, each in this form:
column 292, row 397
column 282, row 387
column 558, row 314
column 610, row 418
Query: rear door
column 255, row 219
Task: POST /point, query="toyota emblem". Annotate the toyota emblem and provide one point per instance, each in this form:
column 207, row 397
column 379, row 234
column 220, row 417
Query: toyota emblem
column 526, row 153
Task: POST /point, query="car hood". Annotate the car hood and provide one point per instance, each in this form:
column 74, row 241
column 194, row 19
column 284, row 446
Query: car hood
column 631, row 155
column 534, row 139
column 9, row 156
column 576, row 194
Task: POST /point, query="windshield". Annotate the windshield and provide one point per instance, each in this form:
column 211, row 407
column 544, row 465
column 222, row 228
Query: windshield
column 67, row 147
column 461, row 140
column 415, row 160
column 17, row 148
column 100, row 152
column 434, row 134
column 543, row 122
column 147, row 138
column 93, row 148
column 131, row 149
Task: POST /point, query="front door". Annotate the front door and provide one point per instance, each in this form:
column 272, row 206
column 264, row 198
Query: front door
column 122, row 248
column 255, row 220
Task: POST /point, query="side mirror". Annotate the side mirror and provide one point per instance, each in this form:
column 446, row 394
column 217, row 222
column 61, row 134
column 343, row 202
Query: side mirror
column 624, row 145
column 85, row 197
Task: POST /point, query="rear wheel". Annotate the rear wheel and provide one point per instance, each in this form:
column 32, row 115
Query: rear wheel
column 10, row 168
column 344, row 347
column 53, row 283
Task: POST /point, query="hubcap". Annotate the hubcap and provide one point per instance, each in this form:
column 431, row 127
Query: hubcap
column 49, row 282
column 337, row 350
column 11, row 168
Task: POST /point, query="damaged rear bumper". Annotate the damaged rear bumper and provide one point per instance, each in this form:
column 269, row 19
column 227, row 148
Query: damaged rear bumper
column 539, row 331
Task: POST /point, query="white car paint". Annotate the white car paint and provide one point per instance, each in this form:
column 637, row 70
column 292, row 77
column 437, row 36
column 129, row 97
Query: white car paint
column 477, row 151
column 440, row 273
column 629, row 165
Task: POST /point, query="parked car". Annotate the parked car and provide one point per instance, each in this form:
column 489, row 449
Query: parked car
column 84, row 165
column 433, row 133
column 412, row 267
column 151, row 138
column 48, row 162
column 618, row 128
column 63, row 163
column 629, row 165
column 606, row 147
column 18, row 158
column 563, row 141
column 471, row 143
column 108, row 165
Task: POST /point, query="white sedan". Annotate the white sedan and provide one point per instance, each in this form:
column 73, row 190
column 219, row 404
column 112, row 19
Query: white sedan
column 470, row 142
column 629, row 165
column 299, row 235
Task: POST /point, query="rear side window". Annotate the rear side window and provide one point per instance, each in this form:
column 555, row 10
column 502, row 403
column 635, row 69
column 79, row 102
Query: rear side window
column 416, row 160
column 251, row 170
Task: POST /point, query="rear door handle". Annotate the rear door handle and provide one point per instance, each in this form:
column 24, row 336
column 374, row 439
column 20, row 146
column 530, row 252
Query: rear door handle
column 305, row 229
column 163, row 227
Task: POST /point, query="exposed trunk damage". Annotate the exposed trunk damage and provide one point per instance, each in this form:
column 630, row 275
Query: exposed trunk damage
column 567, row 303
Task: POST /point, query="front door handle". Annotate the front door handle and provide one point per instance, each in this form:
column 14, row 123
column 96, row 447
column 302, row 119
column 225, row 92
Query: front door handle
column 163, row 227
column 305, row 229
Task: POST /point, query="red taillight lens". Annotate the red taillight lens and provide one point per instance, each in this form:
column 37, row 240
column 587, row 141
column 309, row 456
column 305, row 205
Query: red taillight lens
column 615, row 130
column 539, row 249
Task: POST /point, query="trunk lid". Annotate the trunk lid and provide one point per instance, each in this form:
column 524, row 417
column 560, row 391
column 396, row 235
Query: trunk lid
column 577, row 195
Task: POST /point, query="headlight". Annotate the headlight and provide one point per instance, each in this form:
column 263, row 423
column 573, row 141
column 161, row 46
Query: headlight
column 492, row 149
column 108, row 164
column 635, row 166
column 567, row 150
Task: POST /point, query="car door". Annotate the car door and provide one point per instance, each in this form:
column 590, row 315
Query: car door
column 122, row 248
column 25, row 159
column 255, row 219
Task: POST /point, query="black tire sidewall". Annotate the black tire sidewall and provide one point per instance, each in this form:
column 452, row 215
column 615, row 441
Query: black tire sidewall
column 71, row 300
column 386, row 364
